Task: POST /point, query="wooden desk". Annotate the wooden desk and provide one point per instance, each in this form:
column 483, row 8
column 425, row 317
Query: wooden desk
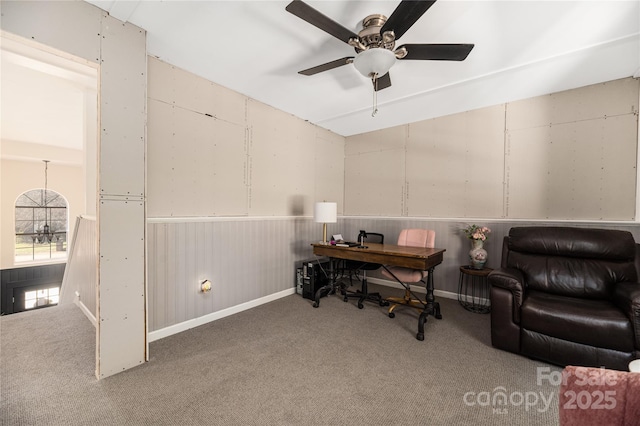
column 424, row 259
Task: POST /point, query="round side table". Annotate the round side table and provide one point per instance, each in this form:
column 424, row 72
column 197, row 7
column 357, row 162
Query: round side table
column 473, row 289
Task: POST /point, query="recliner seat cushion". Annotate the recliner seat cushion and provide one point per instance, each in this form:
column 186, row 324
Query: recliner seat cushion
column 590, row 322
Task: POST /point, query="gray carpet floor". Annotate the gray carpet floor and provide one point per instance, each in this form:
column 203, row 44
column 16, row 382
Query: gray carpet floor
column 282, row 363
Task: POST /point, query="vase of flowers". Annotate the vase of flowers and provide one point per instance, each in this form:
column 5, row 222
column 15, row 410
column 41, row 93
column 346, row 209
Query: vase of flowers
column 478, row 235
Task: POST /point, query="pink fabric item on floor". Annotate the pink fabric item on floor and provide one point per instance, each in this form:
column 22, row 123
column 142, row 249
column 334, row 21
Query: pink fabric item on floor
column 598, row 396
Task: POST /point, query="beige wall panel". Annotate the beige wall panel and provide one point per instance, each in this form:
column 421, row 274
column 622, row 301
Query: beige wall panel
column 484, row 176
column 196, row 164
column 563, row 167
column 374, row 183
column 618, row 167
column 455, row 165
column 612, row 98
column 329, row 170
column 574, row 171
column 592, row 170
column 527, row 159
column 608, row 99
column 162, row 149
column 173, row 85
column 281, row 159
column 161, row 79
column 46, row 21
column 434, row 173
column 390, row 138
column 530, row 113
column 121, row 310
column 122, row 144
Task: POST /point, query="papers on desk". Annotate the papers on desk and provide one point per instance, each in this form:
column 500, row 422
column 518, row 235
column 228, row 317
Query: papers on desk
column 338, row 241
column 345, row 244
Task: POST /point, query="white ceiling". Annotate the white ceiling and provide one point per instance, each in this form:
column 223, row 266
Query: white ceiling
column 522, row 49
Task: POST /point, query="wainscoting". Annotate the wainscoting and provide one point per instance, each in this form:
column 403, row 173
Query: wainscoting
column 245, row 259
column 252, row 260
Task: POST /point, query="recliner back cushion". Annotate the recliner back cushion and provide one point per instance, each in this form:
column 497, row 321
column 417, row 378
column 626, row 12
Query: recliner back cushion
column 575, row 262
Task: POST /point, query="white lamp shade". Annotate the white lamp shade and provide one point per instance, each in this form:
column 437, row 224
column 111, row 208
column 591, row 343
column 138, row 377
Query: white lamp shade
column 374, row 61
column 325, row 212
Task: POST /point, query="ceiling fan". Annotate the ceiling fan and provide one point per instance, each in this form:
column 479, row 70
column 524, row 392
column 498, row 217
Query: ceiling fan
column 375, row 43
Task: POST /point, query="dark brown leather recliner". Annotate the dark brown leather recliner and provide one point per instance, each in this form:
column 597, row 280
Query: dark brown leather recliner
column 568, row 296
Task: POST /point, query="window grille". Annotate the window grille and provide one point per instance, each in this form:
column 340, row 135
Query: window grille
column 40, row 226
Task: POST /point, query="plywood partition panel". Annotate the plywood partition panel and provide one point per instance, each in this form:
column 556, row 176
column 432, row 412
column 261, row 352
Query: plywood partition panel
column 573, row 154
column 121, row 313
column 455, row 165
column 328, row 171
column 374, row 183
column 197, row 164
column 282, row 159
column 568, row 155
column 177, row 87
column 375, row 173
column 123, row 109
column 392, row 138
column 119, row 50
column 197, row 146
column 76, row 31
column 214, row 152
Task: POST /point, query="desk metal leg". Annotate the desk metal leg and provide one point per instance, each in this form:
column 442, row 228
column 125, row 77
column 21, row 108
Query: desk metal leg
column 431, row 307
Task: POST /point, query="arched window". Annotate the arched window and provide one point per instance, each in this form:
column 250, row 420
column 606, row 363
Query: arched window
column 41, row 226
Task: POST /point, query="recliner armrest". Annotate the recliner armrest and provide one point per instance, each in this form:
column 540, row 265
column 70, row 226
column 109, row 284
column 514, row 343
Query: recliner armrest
column 626, row 296
column 510, row 279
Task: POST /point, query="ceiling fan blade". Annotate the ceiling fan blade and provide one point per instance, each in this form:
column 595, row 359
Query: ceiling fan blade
column 437, row 52
column 328, row 66
column 405, row 15
column 382, row 82
column 312, row 16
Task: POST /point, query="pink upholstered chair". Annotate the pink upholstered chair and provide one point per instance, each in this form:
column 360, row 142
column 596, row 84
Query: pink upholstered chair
column 412, row 238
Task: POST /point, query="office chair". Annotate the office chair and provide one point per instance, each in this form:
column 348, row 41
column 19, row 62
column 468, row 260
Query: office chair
column 355, row 267
column 412, row 238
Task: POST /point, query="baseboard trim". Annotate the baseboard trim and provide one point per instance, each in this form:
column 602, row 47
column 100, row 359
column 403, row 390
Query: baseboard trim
column 87, row 313
column 196, row 322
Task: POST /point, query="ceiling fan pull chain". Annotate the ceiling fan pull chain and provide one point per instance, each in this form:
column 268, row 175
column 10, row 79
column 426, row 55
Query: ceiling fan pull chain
column 375, row 94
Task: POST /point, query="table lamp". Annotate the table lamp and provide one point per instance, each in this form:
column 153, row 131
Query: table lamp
column 325, row 213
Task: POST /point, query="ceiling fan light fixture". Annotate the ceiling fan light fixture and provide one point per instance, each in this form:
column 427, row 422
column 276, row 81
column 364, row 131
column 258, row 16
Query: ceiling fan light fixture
column 375, row 61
